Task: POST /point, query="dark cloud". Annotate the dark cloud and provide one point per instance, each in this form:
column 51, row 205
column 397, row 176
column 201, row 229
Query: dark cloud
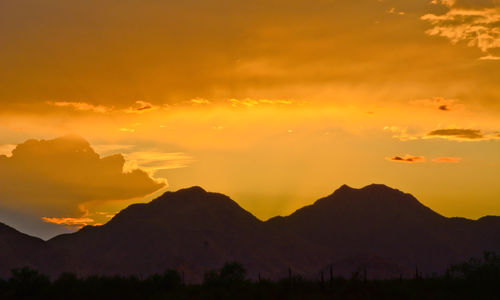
column 444, row 107
column 407, row 159
column 470, row 134
column 56, row 178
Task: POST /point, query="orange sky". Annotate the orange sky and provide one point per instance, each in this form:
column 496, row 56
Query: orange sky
column 275, row 103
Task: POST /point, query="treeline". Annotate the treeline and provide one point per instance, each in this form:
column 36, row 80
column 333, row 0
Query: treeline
column 475, row 279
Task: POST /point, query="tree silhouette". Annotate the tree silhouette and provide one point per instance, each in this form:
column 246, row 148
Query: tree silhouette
column 26, row 283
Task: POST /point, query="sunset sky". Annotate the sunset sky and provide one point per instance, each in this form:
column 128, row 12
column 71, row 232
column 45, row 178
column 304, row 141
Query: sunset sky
column 273, row 103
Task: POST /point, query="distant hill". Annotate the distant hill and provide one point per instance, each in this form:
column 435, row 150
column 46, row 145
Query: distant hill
column 378, row 229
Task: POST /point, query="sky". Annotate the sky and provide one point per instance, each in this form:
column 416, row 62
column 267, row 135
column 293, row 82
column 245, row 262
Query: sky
column 273, row 103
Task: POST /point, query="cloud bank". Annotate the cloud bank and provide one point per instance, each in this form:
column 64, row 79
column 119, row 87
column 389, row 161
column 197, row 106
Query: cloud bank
column 54, row 179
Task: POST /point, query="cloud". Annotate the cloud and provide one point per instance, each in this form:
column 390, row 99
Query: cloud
column 200, row 101
column 6, row 149
column 394, row 11
column 57, row 178
column 401, row 133
column 82, row 106
column 256, row 102
column 466, row 134
column 458, row 134
column 439, row 103
column 477, row 26
column 448, row 3
column 71, row 223
column 489, row 57
column 141, row 107
column 447, row 159
column 129, row 130
column 154, row 160
column 406, row 159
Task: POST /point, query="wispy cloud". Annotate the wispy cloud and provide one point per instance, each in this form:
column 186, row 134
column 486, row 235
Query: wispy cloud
column 447, row 159
column 153, row 161
column 256, row 102
column 448, row 3
column 489, row 57
column 82, row 106
column 71, row 223
column 200, row 101
column 401, row 133
column 478, row 27
column 394, row 11
column 139, row 107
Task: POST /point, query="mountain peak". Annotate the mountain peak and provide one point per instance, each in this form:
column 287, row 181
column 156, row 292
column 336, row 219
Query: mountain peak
column 188, row 206
column 194, row 193
column 346, row 187
column 375, row 187
column 370, row 202
column 193, row 190
column 370, row 189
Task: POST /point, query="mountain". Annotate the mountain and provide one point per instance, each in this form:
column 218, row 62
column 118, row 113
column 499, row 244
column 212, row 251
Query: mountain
column 381, row 230
column 17, row 249
column 387, row 223
column 190, row 230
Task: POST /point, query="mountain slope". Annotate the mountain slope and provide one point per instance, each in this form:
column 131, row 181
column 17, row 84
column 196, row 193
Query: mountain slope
column 17, row 249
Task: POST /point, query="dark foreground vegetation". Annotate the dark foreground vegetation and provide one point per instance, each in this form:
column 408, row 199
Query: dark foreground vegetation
column 475, row 279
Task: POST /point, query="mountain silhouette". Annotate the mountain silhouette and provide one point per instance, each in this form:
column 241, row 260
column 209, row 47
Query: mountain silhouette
column 189, row 230
column 381, row 230
column 383, row 222
column 17, row 249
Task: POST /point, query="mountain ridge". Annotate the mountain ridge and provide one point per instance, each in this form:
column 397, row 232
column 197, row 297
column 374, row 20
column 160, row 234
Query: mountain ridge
column 193, row 230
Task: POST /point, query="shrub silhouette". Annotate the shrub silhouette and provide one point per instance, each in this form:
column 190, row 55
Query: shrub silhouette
column 26, row 283
column 480, row 270
column 66, row 285
column 230, row 274
column 169, row 280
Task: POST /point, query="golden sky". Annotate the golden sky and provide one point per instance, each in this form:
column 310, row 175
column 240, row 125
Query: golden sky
column 274, row 103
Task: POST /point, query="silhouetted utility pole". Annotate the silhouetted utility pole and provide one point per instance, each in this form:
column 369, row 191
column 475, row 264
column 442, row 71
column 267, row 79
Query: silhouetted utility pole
column 183, row 280
column 417, row 275
column 365, row 275
column 259, row 277
column 290, row 275
column 322, row 278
